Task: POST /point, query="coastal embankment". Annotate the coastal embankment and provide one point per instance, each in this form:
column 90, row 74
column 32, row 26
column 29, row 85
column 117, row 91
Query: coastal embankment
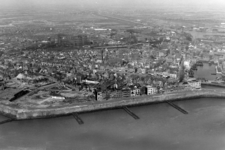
column 33, row 113
column 213, row 84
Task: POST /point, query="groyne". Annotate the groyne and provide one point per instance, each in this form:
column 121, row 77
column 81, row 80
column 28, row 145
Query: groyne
column 33, row 113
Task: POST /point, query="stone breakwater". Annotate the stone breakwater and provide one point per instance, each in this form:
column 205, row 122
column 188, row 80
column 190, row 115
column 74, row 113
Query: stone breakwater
column 32, row 113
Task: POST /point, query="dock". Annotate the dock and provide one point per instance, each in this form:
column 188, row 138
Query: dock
column 177, row 107
column 130, row 113
column 78, row 119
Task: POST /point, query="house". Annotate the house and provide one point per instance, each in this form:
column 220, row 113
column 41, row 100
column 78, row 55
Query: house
column 100, row 96
column 144, row 90
column 20, row 76
column 135, row 91
column 151, row 90
column 193, row 83
column 173, row 75
column 126, row 92
column 143, row 71
column 116, row 94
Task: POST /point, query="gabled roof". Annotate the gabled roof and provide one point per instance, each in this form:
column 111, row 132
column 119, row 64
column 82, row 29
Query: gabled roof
column 191, row 79
column 20, row 76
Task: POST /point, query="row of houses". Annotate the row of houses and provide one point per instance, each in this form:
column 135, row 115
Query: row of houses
column 145, row 90
column 127, row 92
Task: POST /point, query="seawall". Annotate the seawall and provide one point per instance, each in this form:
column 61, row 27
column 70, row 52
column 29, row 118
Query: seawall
column 214, row 84
column 32, row 113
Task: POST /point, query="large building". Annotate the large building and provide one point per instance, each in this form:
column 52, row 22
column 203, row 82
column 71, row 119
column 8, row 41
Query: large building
column 81, row 40
column 193, row 83
column 151, row 90
column 181, row 70
column 77, row 41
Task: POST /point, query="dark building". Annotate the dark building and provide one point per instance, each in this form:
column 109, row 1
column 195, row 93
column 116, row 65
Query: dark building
column 60, row 38
column 126, row 92
column 181, row 70
column 81, row 40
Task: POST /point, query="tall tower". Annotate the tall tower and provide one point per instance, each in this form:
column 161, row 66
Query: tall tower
column 59, row 37
column 181, row 70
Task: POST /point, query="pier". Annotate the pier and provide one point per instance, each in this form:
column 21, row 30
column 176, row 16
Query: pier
column 130, row 113
column 78, row 119
column 177, row 107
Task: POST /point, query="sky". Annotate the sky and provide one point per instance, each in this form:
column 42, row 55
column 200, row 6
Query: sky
column 111, row 2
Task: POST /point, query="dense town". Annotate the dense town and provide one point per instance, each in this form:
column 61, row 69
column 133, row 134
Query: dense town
column 88, row 63
column 112, row 74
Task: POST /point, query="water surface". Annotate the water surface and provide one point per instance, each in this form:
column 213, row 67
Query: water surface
column 160, row 127
column 205, row 72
